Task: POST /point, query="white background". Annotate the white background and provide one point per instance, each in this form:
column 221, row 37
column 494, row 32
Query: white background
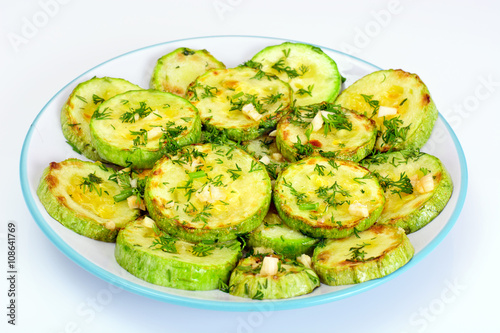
column 452, row 45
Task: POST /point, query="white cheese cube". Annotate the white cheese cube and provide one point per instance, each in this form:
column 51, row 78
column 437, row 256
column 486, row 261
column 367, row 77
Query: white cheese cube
column 133, row 182
column 191, row 167
column 216, row 194
column 386, row 111
column 269, row 266
column 148, row 222
column 277, row 157
column 249, row 111
column 154, row 133
column 204, row 194
column 425, row 184
column 210, row 194
column 265, row 159
column 358, row 209
column 110, row 225
column 134, row 203
column 305, row 260
column 414, row 180
column 317, row 122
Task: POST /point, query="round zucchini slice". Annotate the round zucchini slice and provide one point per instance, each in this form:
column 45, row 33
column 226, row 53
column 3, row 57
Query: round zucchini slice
column 81, row 105
column 265, row 150
column 80, row 195
column 208, row 192
column 276, row 235
column 328, row 198
column 372, row 254
column 271, row 277
column 135, row 128
column 156, row 257
column 328, row 130
column 239, row 101
column 417, row 187
column 400, row 104
column 312, row 74
column 176, row 70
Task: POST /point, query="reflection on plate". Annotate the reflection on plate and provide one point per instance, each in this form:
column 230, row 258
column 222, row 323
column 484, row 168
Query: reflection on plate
column 45, row 143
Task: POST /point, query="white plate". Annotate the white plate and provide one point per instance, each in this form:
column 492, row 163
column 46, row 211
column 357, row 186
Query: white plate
column 45, row 143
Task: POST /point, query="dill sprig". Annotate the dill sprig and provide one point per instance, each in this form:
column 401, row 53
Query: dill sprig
column 142, row 111
column 280, row 67
column 403, row 184
column 124, row 180
column 307, row 91
column 329, row 194
column 358, row 253
column 102, row 114
column 394, row 133
column 163, row 241
column 89, row 183
column 202, row 250
column 96, row 99
column 235, row 173
column 241, row 99
column 141, row 138
column 303, row 150
column 374, row 104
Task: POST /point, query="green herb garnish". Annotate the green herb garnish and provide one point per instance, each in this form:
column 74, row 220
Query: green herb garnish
column 89, row 183
column 141, row 112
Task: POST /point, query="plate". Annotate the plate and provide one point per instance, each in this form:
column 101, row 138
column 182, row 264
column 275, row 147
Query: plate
column 45, row 143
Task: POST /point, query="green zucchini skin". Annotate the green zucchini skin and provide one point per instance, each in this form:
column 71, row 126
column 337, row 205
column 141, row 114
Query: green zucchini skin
column 176, row 70
column 294, row 279
column 312, row 74
column 136, row 252
column 276, row 235
column 397, row 89
column 352, row 145
column 176, row 202
column 81, row 105
column 411, row 211
column 335, row 265
column 317, row 222
column 223, row 95
column 113, row 137
column 53, row 194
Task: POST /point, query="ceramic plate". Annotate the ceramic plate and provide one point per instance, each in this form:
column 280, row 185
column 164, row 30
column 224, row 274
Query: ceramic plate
column 45, row 143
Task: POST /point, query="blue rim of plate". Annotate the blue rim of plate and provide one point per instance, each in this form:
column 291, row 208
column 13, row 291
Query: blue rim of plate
column 287, row 304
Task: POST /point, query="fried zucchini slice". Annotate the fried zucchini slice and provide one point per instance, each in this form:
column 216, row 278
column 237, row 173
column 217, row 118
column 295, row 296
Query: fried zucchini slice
column 265, row 150
column 240, row 102
column 276, row 235
column 372, row 254
column 156, row 257
column 176, row 70
column 417, row 187
column 137, row 127
column 208, row 192
column 400, row 104
column 80, row 195
column 271, row 277
column 81, row 105
column 325, row 129
column 312, row 74
column 328, row 198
